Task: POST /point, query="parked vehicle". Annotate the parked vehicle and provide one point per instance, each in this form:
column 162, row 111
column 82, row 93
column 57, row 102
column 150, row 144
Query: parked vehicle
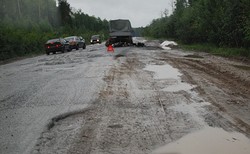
column 95, row 39
column 82, row 43
column 76, row 42
column 120, row 33
column 56, row 45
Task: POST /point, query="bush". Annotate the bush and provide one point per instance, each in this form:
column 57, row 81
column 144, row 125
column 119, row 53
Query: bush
column 17, row 42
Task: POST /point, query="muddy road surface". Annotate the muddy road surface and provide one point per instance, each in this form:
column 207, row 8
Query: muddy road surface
column 135, row 100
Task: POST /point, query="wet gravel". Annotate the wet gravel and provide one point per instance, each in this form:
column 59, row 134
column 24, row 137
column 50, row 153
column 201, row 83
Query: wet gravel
column 129, row 101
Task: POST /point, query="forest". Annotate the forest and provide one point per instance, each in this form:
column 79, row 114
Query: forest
column 25, row 25
column 219, row 23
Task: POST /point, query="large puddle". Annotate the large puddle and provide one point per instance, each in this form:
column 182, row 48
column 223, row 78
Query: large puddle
column 167, row 72
column 209, row 141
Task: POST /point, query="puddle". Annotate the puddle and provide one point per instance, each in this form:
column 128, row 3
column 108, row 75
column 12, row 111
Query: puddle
column 167, row 72
column 178, row 86
column 163, row 71
column 191, row 110
column 208, row 141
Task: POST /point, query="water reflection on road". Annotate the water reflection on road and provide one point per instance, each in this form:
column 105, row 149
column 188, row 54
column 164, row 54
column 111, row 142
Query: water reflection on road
column 208, row 141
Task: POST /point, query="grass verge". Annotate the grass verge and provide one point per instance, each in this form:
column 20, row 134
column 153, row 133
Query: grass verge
column 221, row 51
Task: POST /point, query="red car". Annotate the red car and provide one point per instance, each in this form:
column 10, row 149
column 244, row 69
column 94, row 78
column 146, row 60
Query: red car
column 56, row 45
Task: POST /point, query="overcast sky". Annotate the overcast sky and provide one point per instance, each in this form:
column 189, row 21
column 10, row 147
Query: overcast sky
column 139, row 12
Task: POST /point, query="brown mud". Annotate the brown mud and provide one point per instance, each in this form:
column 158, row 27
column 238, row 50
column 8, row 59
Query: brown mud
column 134, row 115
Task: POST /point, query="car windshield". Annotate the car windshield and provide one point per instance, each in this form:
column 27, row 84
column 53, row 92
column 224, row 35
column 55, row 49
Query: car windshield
column 95, row 37
column 53, row 40
column 69, row 38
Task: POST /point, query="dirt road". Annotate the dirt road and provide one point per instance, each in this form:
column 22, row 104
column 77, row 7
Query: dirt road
column 133, row 101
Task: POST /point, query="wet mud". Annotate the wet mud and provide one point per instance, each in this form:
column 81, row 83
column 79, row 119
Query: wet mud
column 146, row 101
column 207, row 141
column 152, row 98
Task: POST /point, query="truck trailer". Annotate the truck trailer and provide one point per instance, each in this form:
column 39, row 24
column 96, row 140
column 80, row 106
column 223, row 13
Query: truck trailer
column 120, row 33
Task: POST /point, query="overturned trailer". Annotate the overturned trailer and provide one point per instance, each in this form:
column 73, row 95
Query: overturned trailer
column 120, row 33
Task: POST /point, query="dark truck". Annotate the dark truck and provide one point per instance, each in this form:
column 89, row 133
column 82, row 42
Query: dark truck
column 120, row 33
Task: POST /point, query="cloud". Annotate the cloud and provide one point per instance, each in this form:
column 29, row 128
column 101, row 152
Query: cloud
column 139, row 12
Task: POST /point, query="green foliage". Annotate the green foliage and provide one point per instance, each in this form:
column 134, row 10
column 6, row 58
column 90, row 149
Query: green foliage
column 25, row 25
column 222, row 23
column 64, row 12
column 138, row 31
column 16, row 42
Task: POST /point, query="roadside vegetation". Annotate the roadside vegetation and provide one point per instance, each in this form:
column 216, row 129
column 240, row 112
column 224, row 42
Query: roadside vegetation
column 25, row 25
column 216, row 50
column 220, row 27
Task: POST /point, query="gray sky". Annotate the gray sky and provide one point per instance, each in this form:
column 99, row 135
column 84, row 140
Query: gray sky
column 139, row 12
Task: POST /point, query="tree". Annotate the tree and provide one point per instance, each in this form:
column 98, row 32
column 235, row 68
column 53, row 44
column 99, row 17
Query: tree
column 37, row 20
column 65, row 12
column 223, row 23
column 19, row 8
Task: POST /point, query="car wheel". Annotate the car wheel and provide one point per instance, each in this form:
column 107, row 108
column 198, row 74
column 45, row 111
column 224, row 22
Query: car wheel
column 47, row 53
column 63, row 49
column 84, row 46
column 70, row 48
column 77, row 47
column 54, row 52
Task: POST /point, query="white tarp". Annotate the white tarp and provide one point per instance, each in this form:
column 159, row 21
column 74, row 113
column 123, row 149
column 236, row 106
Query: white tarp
column 168, row 44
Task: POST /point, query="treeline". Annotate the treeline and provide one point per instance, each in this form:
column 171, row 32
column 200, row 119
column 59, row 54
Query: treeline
column 25, row 25
column 224, row 23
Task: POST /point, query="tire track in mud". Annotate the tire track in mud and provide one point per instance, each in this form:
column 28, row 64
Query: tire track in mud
column 122, row 128
column 233, row 89
column 227, row 79
column 126, row 118
column 132, row 114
